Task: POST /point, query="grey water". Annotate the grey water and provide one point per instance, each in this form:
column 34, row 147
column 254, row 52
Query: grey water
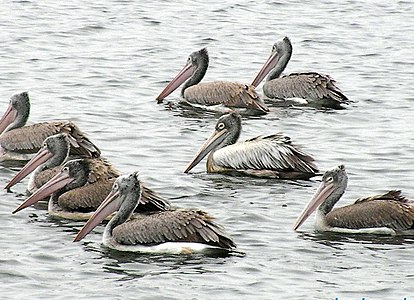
column 102, row 64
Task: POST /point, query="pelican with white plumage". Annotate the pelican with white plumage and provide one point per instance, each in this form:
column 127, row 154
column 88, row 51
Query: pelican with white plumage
column 317, row 89
column 179, row 231
column 80, row 187
column 229, row 94
column 271, row 156
column 18, row 140
column 389, row 213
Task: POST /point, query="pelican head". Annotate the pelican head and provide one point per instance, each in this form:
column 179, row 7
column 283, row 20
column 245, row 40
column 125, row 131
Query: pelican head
column 277, row 61
column 54, row 151
column 196, row 68
column 73, row 174
column 17, row 113
column 227, row 132
column 124, row 198
column 330, row 190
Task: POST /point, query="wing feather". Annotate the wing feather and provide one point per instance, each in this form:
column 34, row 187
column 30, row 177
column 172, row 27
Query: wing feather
column 390, row 210
column 272, row 152
column 101, row 169
column 310, row 86
column 230, row 94
column 29, row 139
column 181, row 225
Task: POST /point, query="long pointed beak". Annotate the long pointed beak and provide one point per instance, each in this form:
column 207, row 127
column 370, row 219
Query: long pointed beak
column 8, row 118
column 54, row 184
column 41, row 156
column 107, row 207
column 216, row 138
column 269, row 65
column 182, row 76
column 324, row 190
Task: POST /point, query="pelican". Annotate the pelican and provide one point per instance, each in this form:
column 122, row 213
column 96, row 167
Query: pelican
column 172, row 231
column 46, row 162
column 18, row 140
column 80, row 187
column 229, row 94
column 315, row 88
column 272, row 156
column 389, row 213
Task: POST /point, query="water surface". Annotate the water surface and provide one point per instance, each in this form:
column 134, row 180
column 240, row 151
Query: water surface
column 102, row 63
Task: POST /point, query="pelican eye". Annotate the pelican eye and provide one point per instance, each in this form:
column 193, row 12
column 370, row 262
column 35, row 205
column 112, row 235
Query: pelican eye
column 221, row 126
column 116, row 186
column 329, row 179
column 65, row 169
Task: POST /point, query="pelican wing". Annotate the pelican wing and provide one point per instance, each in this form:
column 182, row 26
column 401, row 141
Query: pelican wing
column 86, row 198
column 230, row 94
column 101, row 169
column 151, row 201
column 29, row 139
column 44, row 176
column 390, row 210
column 310, row 86
column 272, row 152
column 181, row 225
column 80, row 143
column 89, row 197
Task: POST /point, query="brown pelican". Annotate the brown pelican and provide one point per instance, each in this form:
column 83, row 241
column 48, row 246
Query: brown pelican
column 18, row 140
column 46, row 162
column 229, row 94
column 315, row 88
column 172, row 231
column 272, row 156
column 80, row 187
column 390, row 213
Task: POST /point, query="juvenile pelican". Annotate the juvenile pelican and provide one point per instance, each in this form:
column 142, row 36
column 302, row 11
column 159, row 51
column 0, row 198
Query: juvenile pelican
column 273, row 156
column 173, row 231
column 390, row 213
column 80, row 187
column 18, row 140
column 46, row 162
column 229, row 94
column 315, row 88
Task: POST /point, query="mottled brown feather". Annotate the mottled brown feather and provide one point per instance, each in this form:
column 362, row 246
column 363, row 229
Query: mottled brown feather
column 310, row 86
column 29, row 139
column 86, row 198
column 101, row 169
column 44, row 176
column 181, row 225
column 101, row 178
column 230, row 94
column 390, row 210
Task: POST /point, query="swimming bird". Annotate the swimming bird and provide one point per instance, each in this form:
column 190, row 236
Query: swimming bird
column 46, row 162
column 315, row 88
column 18, row 140
column 230, row 94
column 389, row 213
column 172, row 231
column 80, row 187
column 273, row 156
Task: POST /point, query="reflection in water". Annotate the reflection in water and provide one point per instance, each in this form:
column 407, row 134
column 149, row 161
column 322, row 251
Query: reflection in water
column 136, row 265
column 336, row 240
